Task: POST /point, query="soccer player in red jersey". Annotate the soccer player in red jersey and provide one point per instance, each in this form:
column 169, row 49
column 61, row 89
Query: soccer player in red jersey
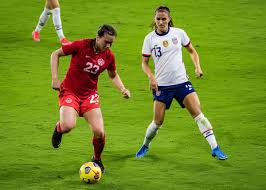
column 78, row 92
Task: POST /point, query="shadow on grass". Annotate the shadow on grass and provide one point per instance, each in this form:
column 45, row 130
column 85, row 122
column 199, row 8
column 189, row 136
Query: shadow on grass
column 120, row 157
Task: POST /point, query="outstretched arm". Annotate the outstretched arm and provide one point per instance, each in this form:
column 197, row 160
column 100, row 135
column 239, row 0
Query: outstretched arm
column 195, row 59
column 54, row 68
column 147, row 70
column 118, row 83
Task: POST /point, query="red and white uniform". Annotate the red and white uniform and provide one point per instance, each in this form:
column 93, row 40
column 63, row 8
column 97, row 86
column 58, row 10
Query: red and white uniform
column 79, row 88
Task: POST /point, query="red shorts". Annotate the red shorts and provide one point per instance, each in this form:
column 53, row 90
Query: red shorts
column 80, row 105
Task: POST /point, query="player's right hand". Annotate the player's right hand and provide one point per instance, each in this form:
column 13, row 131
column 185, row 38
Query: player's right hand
column 56, row 84
column 153, row 84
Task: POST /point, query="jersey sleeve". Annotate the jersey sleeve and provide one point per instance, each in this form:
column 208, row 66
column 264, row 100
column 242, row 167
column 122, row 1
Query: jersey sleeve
column 185, row 39
column 146, row 48
column 112, row 65
column 71, row 48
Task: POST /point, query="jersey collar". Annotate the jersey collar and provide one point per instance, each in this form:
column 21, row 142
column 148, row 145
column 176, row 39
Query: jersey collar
column 163, row 34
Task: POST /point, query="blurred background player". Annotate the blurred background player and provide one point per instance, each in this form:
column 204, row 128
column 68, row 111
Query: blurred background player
column 171, row 81
column 51, row 7
column 78, row 92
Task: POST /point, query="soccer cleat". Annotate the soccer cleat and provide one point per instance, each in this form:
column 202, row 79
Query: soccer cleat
column 99, row 163
column 142, row 151
column 64, row 41
column 36, row 36
column 57, row 138
column 217, row 152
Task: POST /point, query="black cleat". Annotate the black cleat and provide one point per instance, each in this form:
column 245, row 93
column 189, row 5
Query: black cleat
column 56, row 139
column 99, row 163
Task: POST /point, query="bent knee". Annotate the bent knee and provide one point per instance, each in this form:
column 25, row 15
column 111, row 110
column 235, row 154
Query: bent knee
column 67, row 126
column 98, row 132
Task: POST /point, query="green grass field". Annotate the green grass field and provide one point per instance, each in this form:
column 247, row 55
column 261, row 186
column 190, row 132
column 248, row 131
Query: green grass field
column 229, row 36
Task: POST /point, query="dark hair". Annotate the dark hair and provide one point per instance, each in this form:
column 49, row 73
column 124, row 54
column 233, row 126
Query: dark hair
column 163, row 8
column 105, row 28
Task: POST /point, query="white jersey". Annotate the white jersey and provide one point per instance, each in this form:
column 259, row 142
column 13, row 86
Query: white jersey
column 166, row 50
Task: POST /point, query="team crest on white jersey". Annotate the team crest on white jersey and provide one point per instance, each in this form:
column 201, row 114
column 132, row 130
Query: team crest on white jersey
column 174, row 40
column 165, row 43
column 100, row 62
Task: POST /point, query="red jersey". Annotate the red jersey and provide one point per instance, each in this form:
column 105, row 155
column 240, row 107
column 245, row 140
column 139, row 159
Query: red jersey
column 85, row 67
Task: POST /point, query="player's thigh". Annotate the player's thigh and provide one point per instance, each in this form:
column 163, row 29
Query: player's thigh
column 158, row 112
column 95, row 119
column 192, row 103
column 52, row 4
column 68, row 117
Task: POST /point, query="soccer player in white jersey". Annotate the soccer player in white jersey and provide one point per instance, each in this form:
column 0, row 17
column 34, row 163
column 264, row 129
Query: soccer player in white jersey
column 170, row 82
column 51, row 7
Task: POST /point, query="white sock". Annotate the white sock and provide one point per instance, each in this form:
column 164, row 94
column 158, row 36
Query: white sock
column 43, row 19
column 205, row 128
column 151, row 132
column 58, row 23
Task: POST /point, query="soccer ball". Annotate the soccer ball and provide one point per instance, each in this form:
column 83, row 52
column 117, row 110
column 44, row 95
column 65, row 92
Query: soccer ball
column 90, row 172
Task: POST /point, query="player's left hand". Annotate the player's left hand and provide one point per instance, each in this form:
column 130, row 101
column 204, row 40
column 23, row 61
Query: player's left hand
column 198, row 72
column 126, row 93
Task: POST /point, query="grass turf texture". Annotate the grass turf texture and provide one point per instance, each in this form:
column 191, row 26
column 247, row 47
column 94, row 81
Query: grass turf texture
column 230, row 39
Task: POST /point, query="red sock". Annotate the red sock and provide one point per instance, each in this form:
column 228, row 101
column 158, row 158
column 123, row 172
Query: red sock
column 58, row 128
column 98, row 144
